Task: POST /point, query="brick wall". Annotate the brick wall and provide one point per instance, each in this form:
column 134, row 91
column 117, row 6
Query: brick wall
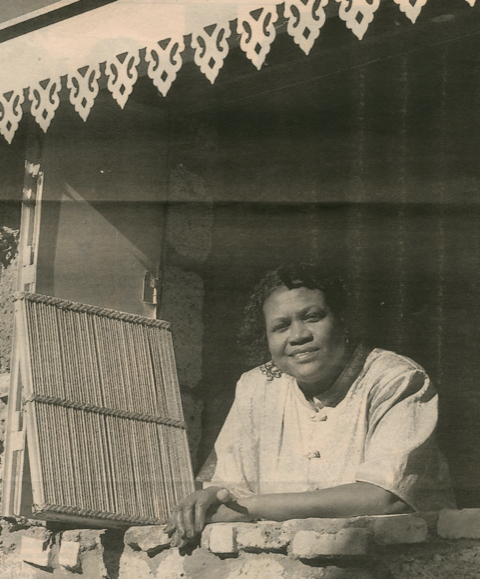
column 433, row 545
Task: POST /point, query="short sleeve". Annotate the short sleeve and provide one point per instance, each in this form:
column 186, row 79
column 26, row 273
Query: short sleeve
column 401, row 454
column 236, row 448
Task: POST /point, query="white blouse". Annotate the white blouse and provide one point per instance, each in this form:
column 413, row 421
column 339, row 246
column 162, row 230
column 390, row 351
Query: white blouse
column 375, row 425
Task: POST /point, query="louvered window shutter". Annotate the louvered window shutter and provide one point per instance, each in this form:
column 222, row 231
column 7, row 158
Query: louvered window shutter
column 95, row 423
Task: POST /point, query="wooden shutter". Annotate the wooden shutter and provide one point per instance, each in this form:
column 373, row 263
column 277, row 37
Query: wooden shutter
column 95, row 431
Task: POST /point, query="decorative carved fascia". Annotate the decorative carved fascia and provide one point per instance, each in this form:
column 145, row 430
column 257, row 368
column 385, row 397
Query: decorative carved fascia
column 208, row 28
column 410, row 10
column 10, row 113
column 122, row 74
column 83, row 86
column 357, row 15
column 305, row 19
column 45, row 100
column 257, row 32
column 211, row 48
column 164, row 61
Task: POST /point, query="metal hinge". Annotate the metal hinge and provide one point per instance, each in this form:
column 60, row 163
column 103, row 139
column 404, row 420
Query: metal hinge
column 151, row 285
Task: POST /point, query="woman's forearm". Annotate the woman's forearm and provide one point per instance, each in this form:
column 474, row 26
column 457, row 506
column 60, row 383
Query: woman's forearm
column 342, row 501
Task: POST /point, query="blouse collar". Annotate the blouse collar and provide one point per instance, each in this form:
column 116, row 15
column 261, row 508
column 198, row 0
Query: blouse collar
column 334, row 395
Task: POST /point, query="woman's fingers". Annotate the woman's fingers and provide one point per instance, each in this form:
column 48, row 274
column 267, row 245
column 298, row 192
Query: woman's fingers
column 170, row 524
column 175, row 522
column 179, row 522
column 201, row 507
column 200, row 512
column 188, row 521
column 178, row 540
column 182, row 522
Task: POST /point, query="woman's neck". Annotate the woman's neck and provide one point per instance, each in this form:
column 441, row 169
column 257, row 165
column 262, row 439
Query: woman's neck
column 312, row 390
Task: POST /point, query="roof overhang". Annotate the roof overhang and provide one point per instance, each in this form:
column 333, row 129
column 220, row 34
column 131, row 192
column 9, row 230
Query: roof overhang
column 114, row 41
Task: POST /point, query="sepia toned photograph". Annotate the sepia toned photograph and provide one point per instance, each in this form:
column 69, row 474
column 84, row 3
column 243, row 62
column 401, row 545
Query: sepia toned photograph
column 239, row 289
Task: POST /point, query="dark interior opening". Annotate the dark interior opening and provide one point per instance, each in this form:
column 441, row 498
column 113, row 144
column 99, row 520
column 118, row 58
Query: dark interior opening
column 411, row 291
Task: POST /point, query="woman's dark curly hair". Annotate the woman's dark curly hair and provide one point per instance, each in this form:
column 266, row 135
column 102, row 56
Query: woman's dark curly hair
column 253, row 337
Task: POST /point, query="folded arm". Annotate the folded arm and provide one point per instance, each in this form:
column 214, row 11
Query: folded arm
column 216, row 505
column 343, row 501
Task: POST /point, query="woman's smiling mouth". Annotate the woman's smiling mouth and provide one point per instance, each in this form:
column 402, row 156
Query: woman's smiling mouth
column 304, row 354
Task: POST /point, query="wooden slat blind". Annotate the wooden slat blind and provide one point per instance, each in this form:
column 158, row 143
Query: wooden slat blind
column 103, row 417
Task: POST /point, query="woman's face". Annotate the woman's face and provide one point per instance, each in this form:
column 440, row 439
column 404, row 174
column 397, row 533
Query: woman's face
column 304, row 337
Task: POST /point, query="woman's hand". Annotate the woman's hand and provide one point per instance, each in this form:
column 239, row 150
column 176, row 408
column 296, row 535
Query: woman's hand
column 188, row 519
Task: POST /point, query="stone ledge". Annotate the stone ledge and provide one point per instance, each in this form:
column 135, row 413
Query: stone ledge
column 462, row 524
column 403, row 529
column 269, row 536
column 312, row 544
column 202, row 564
column 354, row 548
column 301, row 538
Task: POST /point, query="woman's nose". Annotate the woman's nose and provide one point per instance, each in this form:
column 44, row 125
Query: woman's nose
column 300, row 333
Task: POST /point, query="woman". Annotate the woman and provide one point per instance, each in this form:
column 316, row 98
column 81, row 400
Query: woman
column 328, row 428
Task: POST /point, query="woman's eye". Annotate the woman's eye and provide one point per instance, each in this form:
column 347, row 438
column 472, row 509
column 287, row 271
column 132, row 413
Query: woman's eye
column 280, row 327
column 314, row 317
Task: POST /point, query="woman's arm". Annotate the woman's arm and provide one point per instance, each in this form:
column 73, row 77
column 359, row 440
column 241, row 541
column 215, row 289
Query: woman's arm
column 216, row 505
column 343, row 501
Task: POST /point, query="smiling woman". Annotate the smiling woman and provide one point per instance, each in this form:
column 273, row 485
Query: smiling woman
column 305, row 338
column 326, row 426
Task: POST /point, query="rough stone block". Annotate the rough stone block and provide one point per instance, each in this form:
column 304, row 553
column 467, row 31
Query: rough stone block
column 261, row 568
column 203, row 564
column 264, row 536
column 12, row 534
column 463, row 524
column 91, row 551
column 89, row 539
column 222, row 539
column 133, row 566
column 93, row 564
column 35, row 550
column 312, row 544
column 172, row 567
column 395, row 529
column 207, row 531
column 68, row 555
column 38, row 532
column 150, row 539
